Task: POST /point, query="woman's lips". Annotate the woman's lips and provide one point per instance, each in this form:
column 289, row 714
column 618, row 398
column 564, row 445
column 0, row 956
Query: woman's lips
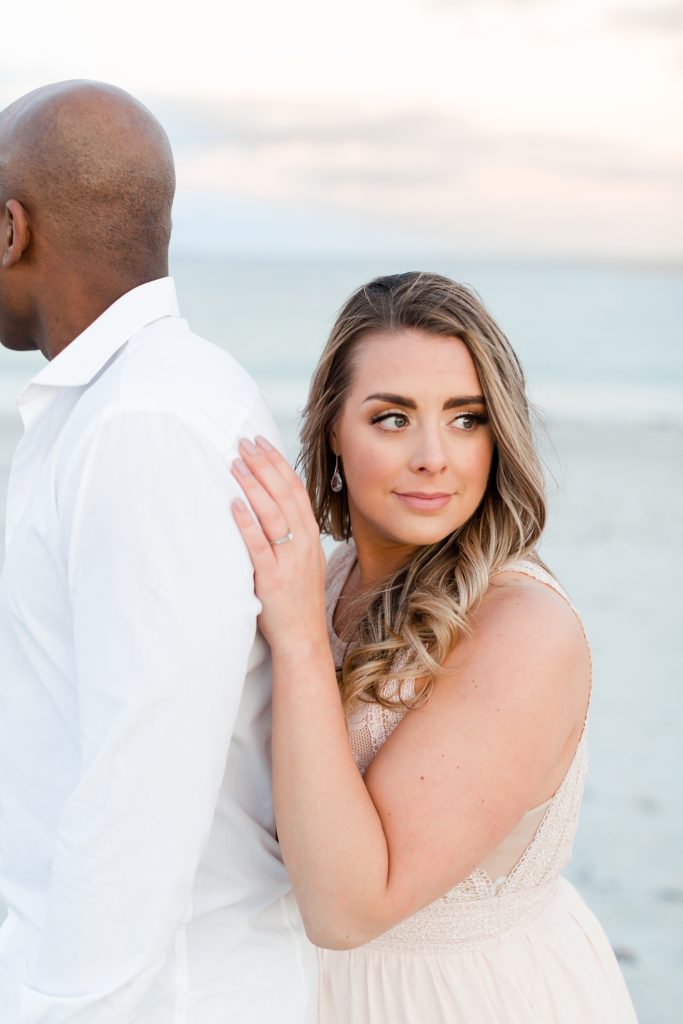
column 424, row 502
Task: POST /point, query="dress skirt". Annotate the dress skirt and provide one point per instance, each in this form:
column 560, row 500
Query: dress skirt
column 559, row 969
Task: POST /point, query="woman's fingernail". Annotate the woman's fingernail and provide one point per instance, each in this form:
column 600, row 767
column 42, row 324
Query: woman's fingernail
column 249, row 447
column 263, row 443
column 239, row 505
column 241, row 467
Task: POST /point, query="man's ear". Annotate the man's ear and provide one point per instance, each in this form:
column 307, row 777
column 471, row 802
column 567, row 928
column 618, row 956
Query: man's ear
column 15, row 233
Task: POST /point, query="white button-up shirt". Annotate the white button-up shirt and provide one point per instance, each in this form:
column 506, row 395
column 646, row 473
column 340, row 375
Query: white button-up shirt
column 138, row 856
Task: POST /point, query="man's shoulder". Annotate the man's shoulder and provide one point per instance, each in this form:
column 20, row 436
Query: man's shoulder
column 166, row 369
column 168, row 360
column 163, row 375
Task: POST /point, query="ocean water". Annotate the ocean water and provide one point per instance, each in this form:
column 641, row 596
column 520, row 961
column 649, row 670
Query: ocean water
column 603, row 352
column 597, row 342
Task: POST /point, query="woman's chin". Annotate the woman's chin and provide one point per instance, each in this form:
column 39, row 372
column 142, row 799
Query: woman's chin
column 419, row 535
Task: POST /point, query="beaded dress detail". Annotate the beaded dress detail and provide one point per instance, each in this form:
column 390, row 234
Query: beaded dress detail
column 500, row 904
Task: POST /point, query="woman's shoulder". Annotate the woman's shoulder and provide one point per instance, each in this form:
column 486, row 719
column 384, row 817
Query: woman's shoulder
column 526, row 614
column 518, row 596
column 525, row 657
column 543, row 592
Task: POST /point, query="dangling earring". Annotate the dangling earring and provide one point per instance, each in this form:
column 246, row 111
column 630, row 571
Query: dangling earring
column 336, row 483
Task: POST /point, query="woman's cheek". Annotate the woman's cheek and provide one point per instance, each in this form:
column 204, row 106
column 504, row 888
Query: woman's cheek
column 370, row 462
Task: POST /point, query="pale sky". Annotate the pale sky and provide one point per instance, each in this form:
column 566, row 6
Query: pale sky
column 495, row 127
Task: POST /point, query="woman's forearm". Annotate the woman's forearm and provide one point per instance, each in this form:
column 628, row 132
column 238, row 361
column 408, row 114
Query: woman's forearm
column 329, row 829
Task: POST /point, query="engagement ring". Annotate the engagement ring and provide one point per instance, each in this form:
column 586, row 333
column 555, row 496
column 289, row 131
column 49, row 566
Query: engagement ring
column 283, row 540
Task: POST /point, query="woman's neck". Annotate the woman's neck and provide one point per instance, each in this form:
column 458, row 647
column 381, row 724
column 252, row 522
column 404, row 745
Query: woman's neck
column 377, row 561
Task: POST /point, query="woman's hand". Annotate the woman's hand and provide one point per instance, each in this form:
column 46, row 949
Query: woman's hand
column 284, row 544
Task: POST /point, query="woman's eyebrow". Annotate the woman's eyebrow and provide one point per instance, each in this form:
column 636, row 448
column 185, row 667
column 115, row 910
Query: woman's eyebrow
column 383, row 396
column 455, row 403
column 408, row 403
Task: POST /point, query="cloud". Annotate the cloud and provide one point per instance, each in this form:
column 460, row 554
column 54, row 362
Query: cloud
column 254, row 124
column 664, row 18
column 461, row 4
column 428, row 174
column 328, row 146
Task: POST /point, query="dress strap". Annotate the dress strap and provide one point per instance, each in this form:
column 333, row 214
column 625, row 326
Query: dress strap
column 339, row 566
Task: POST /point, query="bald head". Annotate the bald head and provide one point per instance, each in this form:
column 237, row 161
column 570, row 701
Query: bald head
column 94, row 171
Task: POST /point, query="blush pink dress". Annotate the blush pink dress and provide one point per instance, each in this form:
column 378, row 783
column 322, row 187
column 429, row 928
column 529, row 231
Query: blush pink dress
column 513, row 943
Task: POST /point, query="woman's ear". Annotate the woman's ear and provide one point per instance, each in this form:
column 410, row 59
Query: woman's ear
column 15, row 233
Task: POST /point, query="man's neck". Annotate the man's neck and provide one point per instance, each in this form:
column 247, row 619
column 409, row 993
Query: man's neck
column 77, row 308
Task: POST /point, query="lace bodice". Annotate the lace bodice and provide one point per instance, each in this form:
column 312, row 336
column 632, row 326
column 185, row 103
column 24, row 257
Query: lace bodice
column 486, row 904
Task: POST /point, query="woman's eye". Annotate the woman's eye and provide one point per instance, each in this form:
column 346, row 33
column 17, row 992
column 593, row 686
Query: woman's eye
column 391, row 421
column 466, row 421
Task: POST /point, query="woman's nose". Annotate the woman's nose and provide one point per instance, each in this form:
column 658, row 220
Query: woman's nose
column 429, row 455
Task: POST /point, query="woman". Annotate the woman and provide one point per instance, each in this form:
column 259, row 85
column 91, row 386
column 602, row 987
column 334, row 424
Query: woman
column 428, row 719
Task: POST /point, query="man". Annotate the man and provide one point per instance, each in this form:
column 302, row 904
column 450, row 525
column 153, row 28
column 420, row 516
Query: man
column 138, row 856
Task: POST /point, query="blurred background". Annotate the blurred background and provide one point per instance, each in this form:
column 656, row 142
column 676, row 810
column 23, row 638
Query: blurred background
column 531, row 148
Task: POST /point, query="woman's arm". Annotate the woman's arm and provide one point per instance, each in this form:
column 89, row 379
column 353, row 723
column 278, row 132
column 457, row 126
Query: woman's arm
column 494, row 739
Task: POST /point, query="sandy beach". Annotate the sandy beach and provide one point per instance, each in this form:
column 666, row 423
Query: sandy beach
column 614, row 540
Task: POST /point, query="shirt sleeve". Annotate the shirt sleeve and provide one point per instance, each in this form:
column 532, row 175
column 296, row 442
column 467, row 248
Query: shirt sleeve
column 164, row 617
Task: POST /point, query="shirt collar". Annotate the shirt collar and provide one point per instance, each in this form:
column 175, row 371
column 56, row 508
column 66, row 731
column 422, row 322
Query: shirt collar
column 85, row 356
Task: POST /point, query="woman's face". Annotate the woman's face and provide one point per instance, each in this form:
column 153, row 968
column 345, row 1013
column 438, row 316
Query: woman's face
column 414, row 440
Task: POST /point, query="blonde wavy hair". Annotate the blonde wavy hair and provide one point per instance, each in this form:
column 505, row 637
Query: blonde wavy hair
column 412, row 620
